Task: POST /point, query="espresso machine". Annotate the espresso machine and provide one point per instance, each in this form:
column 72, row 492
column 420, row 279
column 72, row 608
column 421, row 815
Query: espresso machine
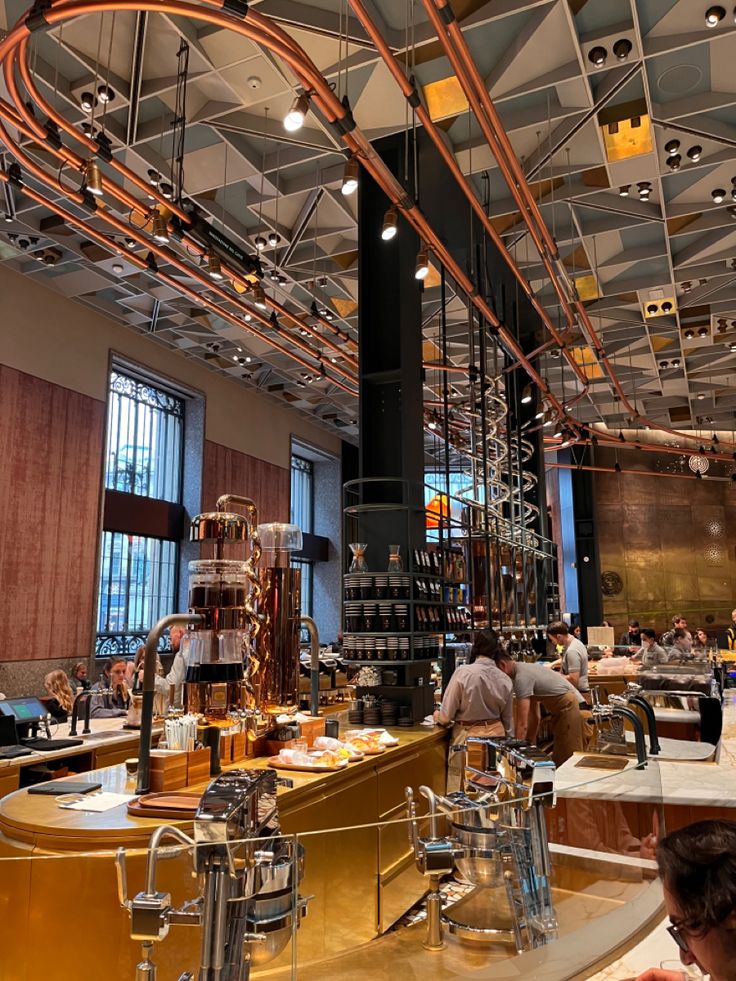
column 247, row 907
column 496, row 837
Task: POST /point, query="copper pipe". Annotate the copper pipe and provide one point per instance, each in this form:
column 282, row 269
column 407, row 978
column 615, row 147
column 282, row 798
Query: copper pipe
column 395, row 68
column 635, row 473
column 614, row 443
column 463, row 63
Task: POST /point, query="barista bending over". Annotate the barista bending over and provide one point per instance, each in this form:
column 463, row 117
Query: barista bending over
column 556, row 694
column 477, row 702
column 116, row 704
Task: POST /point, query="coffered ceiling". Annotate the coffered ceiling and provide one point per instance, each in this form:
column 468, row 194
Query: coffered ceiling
column 596, row 96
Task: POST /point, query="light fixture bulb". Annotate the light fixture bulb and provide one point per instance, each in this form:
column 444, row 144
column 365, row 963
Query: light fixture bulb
column 350, row 177
column 421, row 269
column 695, row 153
column 714, row 15
column 390, row 224
column 718, row 195
column 623, row 191
column 273, row 239
column 160, row 228
column 526, row 395
column 214, row 268
column 260, row 243
column 597, row 55
column 105, row 94
column 294, row 119
column 93, row 178
column 622, row 48
column 117, row 268
column 87, row 101
column 671, row 147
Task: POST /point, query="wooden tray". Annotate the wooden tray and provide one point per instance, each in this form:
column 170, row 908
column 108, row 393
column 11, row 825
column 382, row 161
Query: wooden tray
column 277, row 764
column 165, row 805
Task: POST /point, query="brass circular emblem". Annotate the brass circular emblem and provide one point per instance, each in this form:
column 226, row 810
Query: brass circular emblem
column 611, row 583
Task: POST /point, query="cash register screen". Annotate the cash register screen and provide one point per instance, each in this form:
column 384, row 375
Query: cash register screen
column 23, row 709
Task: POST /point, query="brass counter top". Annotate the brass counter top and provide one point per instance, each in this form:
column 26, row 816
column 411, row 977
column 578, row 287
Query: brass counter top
column 39, row 822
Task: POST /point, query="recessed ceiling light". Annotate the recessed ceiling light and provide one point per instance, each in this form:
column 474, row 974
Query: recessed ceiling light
column 130, row 243
column 674, row 162
column 689, row 334
column 105, row 94
column 666, row 307
column 714, row 15
column 622, row 48
column 676, row 363
column 652, row 308
column 703, row 332
column 732, row 346
column 671, row 147
column 623, row 191
column 701, row 396
column 687, row 286
column 664, row 364
column 597, row 55
column 718, row 195
column 695, row 153
column 260, row 243
column 87, row 101
column 273, row 239
column 613, row 128
column 117, row 268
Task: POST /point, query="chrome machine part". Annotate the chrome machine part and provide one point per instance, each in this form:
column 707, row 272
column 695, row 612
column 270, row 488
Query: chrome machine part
column 498, row 838
column 611, row 735
column 246, row 910
column 311, row 626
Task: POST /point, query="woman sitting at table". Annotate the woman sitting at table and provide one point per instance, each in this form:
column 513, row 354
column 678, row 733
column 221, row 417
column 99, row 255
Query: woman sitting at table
column 61, row 699
column 78, row 680
column 477, row 702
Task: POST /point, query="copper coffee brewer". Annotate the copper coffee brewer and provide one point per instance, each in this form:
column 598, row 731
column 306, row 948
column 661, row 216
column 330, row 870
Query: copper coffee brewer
column 222, row 592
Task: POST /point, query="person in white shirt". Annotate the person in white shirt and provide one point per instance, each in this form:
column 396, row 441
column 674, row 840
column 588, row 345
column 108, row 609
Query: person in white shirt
column 574, row 657
column 175, row 677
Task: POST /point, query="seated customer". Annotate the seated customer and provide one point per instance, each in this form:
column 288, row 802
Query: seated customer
column 160, row 685
column 60, row 703
column 632, row 637
column 682, row 645
column 701, row 642
column 110, row 706
column 477, row 702
column 547, row 688
column 668, row 638
column 697, row 865
column 78, row 680
column 650, row 653
column 574, row 656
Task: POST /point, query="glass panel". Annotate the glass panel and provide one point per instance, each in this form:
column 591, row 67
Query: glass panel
column 145, row 429
column 307, row 569
column 137, row 587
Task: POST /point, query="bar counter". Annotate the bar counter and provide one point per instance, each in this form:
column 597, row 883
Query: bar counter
column 362, row 877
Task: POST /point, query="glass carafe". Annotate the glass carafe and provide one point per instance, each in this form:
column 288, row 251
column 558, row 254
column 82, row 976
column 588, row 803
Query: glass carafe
column 358, row 564
column 395, row 563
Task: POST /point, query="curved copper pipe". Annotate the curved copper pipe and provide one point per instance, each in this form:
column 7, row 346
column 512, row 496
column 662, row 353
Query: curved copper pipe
column 613, row 443
column 395, row 68
column 634, row 473
column 461, row 58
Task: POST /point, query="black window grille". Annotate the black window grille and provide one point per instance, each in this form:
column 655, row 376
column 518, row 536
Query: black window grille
column 145, row 429
column 302, row 514
column 139, row 573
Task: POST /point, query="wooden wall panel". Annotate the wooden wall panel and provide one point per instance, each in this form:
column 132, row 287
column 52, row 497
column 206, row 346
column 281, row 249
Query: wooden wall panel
column 227, row 471
column 51, row 443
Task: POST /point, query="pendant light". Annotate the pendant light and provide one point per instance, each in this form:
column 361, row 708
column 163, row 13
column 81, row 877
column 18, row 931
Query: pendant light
column 390, row 224
column 421, row 269
column 160, row 228
column 93, row 178
column 350, row 177
column 294, row 119
column 214, row 268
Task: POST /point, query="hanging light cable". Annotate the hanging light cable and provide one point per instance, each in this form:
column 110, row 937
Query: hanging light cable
column 260, row 241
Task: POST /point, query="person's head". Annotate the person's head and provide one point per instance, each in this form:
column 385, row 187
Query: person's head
column 648, row 637
column 175, row 635
column 79, row 671
column 115, row 669
column 697, row 865
column 634, row 627
column 682, row 639
column 701, row 635
column 505, row 663
column 139, row 658
column 484, row 645
column 679, row 621
column 57, row 685
column 733, row 615
column 577, row 631
column 559, row 633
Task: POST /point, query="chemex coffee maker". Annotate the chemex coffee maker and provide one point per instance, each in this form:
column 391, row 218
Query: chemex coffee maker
column 243, row 654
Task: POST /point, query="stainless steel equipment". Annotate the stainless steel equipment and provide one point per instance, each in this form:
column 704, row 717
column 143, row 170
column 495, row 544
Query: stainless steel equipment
column 247, row 908
column 609, row 720
column 497, row 837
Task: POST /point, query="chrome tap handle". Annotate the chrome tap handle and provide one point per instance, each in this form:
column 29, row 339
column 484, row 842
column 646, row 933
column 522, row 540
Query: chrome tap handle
column 432, row 801
column 411, row 810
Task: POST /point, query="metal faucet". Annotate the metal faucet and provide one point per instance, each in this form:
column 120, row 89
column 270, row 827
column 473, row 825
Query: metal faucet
column 311, row 626
column 88, row 694
column 616, row 709
column 149, row 681
column 634, row 696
